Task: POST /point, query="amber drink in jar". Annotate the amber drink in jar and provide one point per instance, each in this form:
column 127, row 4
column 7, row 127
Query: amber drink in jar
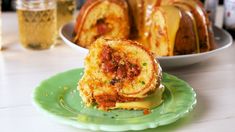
column 37, row 23
column 65, row 12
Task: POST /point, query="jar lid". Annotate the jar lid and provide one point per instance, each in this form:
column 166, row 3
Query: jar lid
column 35, row 4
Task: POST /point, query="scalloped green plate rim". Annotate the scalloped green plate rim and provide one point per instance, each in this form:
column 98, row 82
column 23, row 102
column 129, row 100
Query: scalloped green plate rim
column 58, row 98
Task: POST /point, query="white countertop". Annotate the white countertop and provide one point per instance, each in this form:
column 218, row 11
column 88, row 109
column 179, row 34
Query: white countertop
column 22, row 70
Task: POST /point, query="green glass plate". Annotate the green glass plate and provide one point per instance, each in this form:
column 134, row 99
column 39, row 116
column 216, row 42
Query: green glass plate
column 57, row 97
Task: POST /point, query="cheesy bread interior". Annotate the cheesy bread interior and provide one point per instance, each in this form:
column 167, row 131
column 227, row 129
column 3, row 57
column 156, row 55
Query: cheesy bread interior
column 117, row 72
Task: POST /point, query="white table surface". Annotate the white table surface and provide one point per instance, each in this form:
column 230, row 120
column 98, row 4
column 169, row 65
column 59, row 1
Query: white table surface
column 22, row 70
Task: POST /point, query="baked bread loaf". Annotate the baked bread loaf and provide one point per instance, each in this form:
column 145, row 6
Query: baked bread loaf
column 120, row 74
column 166, row 27
column 106, row 18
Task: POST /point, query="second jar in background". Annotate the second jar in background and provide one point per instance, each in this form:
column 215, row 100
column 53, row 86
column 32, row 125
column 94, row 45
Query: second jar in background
column 65, row 12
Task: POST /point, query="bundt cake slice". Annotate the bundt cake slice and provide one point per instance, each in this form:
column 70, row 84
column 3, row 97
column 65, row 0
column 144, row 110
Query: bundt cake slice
column 120, row 74
column 107, row 18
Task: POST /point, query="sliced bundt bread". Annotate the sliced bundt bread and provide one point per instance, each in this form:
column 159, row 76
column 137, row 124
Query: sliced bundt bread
column 118, row 71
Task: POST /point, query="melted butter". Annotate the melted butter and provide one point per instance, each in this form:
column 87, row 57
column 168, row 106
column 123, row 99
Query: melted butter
column 172, row 24
column 188, row 12
column 151, row 101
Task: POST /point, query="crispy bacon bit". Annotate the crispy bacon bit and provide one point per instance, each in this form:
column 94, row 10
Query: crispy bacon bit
column 102, row 28
column 118, row 66
column 133, row 71
column 114, row 80
column 106, row 54
column 116, row 58
column 121, row 72
column 146, row 111
column 106, row 100
column 108, row 67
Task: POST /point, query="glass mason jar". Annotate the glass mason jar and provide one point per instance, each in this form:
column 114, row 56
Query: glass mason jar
column 65, row 12
column 37, row 23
